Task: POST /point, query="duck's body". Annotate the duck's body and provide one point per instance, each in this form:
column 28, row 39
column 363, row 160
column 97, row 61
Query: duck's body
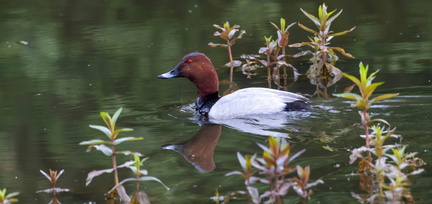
column 249, row 101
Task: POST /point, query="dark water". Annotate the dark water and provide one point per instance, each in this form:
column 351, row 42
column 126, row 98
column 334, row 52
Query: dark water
column 61, row 62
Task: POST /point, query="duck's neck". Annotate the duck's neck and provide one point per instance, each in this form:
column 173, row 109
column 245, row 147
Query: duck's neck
column 207, row 87
column 204, row 104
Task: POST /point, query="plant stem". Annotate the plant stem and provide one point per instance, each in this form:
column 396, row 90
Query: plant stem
column 268, row 71
column 276, row 185
column 114, row 162
column 138, row 184
column 285, row 75
column 369, row 157
column 231, row 62
column 324, row 71
column 247, row 190
column 366, row 127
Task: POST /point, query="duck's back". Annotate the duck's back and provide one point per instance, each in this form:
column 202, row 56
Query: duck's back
column 255, row 101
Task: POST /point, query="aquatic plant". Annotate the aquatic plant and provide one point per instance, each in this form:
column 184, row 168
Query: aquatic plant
column 276, row 54
column 227, row 33
column 8, row 198
column 363, row 101
column 112, row 133
column 53, row 178
column 322, row 73
column 383, row 174
column 274, row 165
column 140, row 175
column 268, row 50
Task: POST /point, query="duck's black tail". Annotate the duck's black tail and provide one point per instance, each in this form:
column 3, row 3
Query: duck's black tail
column 298, row 106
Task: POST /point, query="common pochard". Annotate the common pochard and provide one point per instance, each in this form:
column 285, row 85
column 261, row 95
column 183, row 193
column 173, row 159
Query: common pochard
column 198, row 68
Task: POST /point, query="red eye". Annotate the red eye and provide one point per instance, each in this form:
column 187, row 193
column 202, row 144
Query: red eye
column 189, row 61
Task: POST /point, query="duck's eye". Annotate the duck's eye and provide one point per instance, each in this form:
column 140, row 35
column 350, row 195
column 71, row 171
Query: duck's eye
column 189, row 61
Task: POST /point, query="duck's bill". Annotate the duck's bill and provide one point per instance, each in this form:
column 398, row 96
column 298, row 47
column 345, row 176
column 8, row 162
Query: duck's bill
column 171, row 74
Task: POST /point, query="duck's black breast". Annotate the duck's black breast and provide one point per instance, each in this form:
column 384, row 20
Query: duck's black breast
column 297, row 106
column 203, row 105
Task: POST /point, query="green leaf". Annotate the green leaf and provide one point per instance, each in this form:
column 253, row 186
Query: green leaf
column 95, row 173
column 268, row 40
column 144, row 178
column 307, row 29
column 353, row 79
column 104, row 149
column 274, row 25
column 352, row 96
column 331, row 12
column 94, row 142
column 152, row 178
column 282, row 23
column 342, row 51
column 321, row 11
column 143, row 172
column 116, row 132
column 384, row 96
column 102, row 129
column 329, row 21
column 363, row 73
column 116, row 115
column 241, row 160
column 314, row 19
column 289, row 26
column 10, row 195
column 124, row 139
column 3, row 193
column 370, row 89
column 371, row 77
column 342, row 32
column 107, row 119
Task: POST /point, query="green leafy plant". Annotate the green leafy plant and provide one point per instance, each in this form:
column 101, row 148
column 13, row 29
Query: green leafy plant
column 8, row 198
column 363, row 101
column 269, row 51
column 53, row 178
column 227, row 33
column 322, row 72
column 112, row 133
column 383, row 173
column 274, row 165
column 275, row 50
column 282, row 43
column 140, row 175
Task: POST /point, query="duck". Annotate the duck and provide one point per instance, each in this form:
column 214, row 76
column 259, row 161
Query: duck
column 198, row 68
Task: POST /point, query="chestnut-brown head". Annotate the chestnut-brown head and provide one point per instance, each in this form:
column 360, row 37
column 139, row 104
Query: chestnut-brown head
column 199, row 70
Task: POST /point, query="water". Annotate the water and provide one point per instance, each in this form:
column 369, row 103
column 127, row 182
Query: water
column 62, row 62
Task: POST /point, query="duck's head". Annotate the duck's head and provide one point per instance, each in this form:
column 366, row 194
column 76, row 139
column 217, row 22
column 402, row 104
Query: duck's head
column 199, row 70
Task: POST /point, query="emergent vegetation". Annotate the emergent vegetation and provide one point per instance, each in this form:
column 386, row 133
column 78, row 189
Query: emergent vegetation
column 384, row 170
column 228, row 35
column 111, row 132
column 8, row 198
column 322, row 73
column 274, row 165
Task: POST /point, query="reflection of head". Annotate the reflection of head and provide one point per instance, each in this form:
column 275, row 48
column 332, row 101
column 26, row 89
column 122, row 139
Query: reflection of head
column 199, row 149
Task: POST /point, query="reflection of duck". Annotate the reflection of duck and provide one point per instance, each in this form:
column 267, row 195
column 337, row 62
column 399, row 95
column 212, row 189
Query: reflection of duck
column 245, row 102
column 200, row 148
